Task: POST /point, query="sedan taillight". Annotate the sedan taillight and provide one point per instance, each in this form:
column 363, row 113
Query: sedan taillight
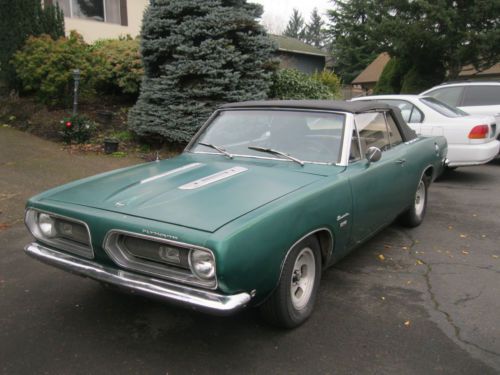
column 479, row 132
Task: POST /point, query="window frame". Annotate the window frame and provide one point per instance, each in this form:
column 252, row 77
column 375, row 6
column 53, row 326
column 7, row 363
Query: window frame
column 123, row 6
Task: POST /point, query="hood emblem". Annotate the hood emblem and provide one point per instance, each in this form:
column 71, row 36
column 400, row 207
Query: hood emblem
column 213, row 178
column 120, row 204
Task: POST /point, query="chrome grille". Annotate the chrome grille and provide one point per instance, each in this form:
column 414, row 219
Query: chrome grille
column 150, row 255
column 155, row 252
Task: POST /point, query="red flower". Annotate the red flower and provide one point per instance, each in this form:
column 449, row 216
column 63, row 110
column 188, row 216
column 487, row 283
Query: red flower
column 68, row 124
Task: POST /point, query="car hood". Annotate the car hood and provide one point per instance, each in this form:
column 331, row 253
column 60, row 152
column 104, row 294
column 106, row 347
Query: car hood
column 187, row 191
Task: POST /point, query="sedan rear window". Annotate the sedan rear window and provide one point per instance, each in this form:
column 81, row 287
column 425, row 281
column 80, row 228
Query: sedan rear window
column 443, row 108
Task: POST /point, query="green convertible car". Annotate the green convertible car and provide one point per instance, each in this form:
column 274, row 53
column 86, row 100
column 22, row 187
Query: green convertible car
column 266, row 196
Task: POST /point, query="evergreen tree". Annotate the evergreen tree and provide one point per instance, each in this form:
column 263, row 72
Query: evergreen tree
column 314, row 33
column 432, row 39
column 197, row 55
column 354, row 44
column 20, row 19
column 295, row 28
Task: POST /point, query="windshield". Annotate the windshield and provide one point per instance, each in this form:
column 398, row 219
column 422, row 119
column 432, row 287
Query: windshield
column 443, row 108
column 306, row 136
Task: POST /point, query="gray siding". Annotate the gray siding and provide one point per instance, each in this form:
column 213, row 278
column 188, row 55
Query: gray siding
column 304, row 63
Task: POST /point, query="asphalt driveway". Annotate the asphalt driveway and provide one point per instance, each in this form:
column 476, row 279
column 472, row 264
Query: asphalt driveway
column 421, row 301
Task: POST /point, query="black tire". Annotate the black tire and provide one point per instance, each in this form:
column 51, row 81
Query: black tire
column 283, row 310
column 414, row 216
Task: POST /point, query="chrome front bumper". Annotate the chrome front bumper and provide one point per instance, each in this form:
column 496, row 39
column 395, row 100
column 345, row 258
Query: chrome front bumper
column 206, row 301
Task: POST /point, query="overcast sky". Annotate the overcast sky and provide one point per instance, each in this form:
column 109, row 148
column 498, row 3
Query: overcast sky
column 278, row 12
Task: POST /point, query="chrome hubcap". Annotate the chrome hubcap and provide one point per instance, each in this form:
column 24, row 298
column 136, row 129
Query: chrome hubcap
column 302, row 281
column 420, row 199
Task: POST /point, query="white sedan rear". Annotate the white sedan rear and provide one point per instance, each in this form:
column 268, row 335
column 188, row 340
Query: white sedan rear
column 471, row 138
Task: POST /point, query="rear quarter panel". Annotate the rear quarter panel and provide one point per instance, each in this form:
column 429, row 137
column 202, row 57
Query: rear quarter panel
column 424, row 153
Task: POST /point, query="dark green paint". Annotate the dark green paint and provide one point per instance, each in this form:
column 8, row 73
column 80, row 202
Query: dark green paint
column 250, row 220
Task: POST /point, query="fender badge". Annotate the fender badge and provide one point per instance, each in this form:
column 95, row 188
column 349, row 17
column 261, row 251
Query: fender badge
column 120, row 204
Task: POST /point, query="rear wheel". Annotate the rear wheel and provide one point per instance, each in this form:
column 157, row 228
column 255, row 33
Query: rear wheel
column 292, row 302
column 414, row 216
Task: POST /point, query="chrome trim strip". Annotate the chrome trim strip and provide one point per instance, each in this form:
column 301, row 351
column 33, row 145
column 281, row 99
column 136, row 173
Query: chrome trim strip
column 54, row 243
column 197, row 299
column 158, row 271
column 181, row 169
column 213, row 178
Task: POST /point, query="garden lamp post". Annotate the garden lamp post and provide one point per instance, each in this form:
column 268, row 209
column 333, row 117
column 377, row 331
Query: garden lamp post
column 76, row 78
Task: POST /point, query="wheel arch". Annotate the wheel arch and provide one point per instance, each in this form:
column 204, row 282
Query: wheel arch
column 326, row 240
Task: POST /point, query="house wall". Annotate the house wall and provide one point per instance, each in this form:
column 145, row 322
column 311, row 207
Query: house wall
column 305, row 63
column 94, row 30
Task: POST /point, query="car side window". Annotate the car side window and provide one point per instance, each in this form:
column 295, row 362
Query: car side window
column 372, row 131
column 450, row 95
column 394, row 134
column 481, row 95
column 416, row 116
column 355, row 152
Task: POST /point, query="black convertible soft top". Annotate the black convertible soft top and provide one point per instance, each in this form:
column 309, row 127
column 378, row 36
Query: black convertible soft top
column 331, row 105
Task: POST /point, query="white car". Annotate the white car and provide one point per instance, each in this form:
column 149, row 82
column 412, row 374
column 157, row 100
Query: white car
column 471, row 138
column 474, row 97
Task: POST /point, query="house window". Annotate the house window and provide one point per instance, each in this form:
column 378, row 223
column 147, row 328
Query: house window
column 109, row 11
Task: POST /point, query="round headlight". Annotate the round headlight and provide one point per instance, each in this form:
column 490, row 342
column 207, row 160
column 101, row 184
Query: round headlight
column 202, row 264
column 47, row 225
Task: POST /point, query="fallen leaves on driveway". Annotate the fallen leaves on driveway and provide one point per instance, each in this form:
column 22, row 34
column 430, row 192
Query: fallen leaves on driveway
column 381, row 257
column 407, row 323
column 4, row 226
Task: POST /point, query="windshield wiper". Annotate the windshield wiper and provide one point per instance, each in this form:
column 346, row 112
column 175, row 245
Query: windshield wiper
column 276, row 152
column 218, row 148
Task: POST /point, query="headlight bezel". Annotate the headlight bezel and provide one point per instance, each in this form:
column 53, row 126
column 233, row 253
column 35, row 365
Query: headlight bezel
column 122, row 258
column 192, row 265
column 31, row 220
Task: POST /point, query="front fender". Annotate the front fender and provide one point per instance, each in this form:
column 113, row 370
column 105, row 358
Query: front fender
column 251, row 251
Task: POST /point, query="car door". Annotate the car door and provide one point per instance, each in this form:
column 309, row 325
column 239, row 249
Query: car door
column 379, row 189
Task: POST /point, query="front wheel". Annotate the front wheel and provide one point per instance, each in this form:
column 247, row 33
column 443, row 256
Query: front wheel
column 292, row 302
column 414, row 216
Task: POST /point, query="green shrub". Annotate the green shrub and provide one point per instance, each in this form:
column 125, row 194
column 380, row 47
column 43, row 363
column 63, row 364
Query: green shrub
column 331, row 80
column 45, row 67
column 292, row 84
column 122, row 65
column 78, row 129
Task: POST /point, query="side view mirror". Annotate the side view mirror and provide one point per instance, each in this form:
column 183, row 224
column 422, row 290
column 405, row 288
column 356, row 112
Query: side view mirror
column 373, row 154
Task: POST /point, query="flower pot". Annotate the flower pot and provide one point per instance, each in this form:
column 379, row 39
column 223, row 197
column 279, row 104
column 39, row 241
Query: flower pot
column 110, row 146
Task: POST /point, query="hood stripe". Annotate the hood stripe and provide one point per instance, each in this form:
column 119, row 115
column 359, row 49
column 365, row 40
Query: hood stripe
column 213, row 178
column 181, row 169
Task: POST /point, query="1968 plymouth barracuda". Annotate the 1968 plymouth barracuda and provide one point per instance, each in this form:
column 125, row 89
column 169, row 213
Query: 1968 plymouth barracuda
column 266, row 196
